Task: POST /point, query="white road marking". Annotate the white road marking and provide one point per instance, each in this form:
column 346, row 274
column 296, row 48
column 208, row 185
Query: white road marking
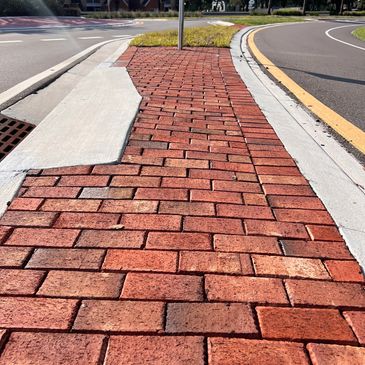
column 339, row 40
column 15, row 41
column 96, row 37
column 122, row 36
column 52, row 39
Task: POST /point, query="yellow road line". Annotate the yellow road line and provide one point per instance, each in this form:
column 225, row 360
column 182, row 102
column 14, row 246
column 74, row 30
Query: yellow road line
column 342, row 126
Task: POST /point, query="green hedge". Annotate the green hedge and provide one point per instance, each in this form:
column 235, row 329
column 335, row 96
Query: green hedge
column 288, row 12
column 354, row 13
column 30, row 7
column 139, row 14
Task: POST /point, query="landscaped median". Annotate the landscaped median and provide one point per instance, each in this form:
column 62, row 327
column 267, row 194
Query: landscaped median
column 359, row 33
column 210, row 36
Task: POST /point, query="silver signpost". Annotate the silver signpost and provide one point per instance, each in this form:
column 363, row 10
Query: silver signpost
column 181, row 25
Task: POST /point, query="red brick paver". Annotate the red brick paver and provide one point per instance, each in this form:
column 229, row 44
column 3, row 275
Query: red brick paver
column 204, row 245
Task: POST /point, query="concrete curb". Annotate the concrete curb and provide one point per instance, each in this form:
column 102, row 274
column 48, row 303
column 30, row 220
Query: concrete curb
column 336, row 176
column 24, row 88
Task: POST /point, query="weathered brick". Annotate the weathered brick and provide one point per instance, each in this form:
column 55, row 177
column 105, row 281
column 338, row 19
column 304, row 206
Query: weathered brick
column 87, row 220
column 205, row 318
column 187, row 163
column 163, row 171
column 23, row 218
column 263, row 161
column 211, row 174
column 149, row 144
column 228, row 351
column 335, row 250
column 289, row 267
column 187, row 183
column 303, row 324
column 84, row 180
column 163, row 287
column 104, row 238
column 73, row 170
column 129, row 206
column 250, row 244
column 238, row 186
column 278, row 229
column 136, row 181
column 324, row 233
column 81, row 284
column 215, row 262
column 300, row 202
column 322, row 354
column 4, row 233
column 117, row 316
column 19, row 282
column 215, row 196
column 325, row 293
column 121, row 169
column 71, row 205
column 179, row 241
column 52, row 348
column 206, row 155
column 163, row 153
column 36, row 313
column 287, row 180
column 224, row 288
column 277, row 170
column 63, row 258
column 233, row 166
column 143, row 160
column 13, row 256
column 161, row 194
column 152, row 222
column 242, row 176
column 51, row 192
column 357, row 322
column 303, row 216
column 296, row 190
column 244, row 211
column 186, row 208
column 213, row 225
column 345, row 270
column 254, row 199
column 140, row 260
column 106, row 193
column 40, row 181
column 156, row 350
column 25, row 204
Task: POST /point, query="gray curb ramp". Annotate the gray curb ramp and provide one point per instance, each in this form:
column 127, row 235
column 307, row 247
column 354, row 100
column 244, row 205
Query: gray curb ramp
column 89, row 126
column 334, row 174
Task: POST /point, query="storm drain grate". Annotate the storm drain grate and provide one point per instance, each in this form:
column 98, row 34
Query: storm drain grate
column 12, row 132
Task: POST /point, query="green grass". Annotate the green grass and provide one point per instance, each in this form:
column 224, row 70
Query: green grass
column 359, row 33
column 265, row 19
column 211, row 36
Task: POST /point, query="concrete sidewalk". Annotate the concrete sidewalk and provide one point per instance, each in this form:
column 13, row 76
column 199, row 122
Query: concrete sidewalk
column 204, row 245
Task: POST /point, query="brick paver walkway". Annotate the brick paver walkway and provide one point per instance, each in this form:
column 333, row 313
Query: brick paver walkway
column 204, row 246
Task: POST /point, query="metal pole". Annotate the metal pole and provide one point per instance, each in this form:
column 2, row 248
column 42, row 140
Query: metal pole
column 181, row 25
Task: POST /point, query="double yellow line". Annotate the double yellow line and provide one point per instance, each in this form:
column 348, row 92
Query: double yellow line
column 342, row 126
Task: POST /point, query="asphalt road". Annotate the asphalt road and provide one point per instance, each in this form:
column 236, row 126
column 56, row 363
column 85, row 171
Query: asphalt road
column 25, row 53
column 332, row 71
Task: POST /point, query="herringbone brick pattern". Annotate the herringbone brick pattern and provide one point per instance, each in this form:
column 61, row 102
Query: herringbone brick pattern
column 204, row 245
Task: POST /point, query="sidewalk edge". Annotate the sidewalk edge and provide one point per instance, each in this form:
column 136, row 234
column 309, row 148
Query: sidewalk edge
column 336, row 177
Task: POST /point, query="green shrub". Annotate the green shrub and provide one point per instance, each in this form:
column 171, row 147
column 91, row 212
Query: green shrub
column 354, row 13
column 288, row 12
column 139, row 14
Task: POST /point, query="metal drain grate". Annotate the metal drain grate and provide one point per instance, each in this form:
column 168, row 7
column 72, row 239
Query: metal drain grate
column 12, row 132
